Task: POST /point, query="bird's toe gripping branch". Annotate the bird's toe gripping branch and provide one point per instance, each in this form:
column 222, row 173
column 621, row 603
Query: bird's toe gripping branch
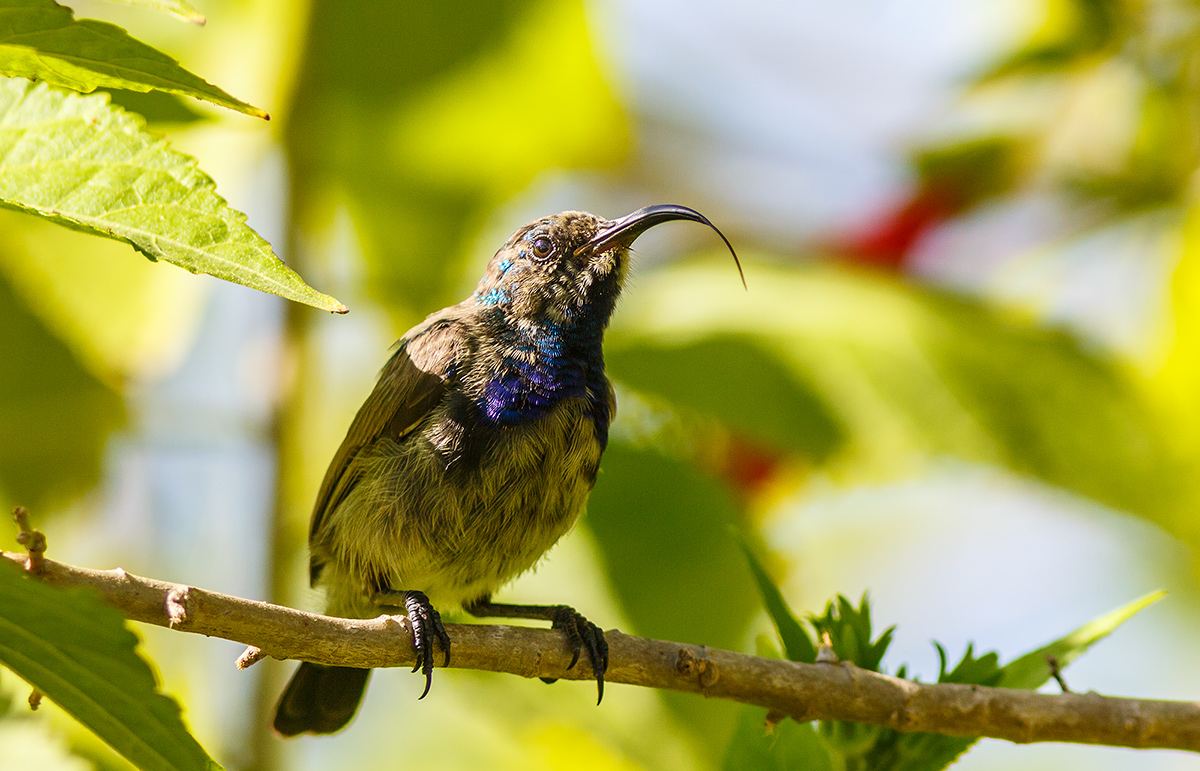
column 582, row 635
column 426, row 625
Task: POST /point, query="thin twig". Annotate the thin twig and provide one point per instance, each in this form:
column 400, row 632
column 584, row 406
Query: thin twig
column 1056, row 673
column 34, row 541
column 803, row 691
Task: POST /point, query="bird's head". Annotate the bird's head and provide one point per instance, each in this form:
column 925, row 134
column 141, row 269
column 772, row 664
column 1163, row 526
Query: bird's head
column 571, row 266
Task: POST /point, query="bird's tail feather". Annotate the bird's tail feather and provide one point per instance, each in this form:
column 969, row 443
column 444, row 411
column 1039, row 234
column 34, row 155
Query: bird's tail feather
column 320, row 699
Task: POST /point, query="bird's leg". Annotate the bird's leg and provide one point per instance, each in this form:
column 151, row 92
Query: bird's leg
column 581, row 634
column 426, row 625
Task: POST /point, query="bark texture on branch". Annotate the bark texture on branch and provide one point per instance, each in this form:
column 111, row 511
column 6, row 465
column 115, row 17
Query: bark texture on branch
column 803, row 691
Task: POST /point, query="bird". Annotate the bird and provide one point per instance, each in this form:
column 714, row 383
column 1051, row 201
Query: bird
column 475, row 452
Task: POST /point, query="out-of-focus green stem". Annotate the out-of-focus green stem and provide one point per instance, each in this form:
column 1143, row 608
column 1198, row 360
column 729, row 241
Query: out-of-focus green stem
column 285, row 533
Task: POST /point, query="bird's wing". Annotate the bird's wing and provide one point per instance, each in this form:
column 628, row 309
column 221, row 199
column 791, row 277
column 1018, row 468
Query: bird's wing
column 410, row 386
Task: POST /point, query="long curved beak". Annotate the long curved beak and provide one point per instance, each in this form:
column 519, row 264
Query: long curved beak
column 623, row 231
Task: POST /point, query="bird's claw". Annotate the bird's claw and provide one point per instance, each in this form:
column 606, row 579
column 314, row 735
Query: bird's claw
column 426, row 625
column 583, row 635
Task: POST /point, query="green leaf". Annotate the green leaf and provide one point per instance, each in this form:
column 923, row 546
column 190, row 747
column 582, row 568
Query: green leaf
column 42, row 40
column 911, row 373
column 79, row 653
column 714, row 376
column 964, row 173
column 177, row 8
column 852, row 745
column 54, row 415
column 925, row 751
column 1075, row 30
column 661, row 531
column 1153, row 172
column 426, row 154
column 790, row 746
column 797, row 645
column 1032, row 670
column 122, row 318
column 849, row 630
column 6, row 698
column 916, row 751
column 984, row 670
column 931, row 752
column 84, row 164
column 661, row 564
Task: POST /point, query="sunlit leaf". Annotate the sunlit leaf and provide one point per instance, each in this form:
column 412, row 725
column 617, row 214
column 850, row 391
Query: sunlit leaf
column 788, row 746
column 797, row 644
column 661, row 530
column 747, row 387
column 432, row 135
column 177, row 8
column 967, row 172
column 42, row 40
column 54, row 415
column 926, row 751
column 856, row 745
column 932, row 752
column 970, row 669
column 912, row 373
column 849, row 630
column 122, row 318
column 1153, row 172
column 464, row 133
column 83, row 164
column 1176, row 380
column 1033, row 669
column 78, row 652
column 1072, row 29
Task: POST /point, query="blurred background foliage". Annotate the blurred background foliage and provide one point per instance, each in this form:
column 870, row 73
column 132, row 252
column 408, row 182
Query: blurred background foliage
column 964, row 376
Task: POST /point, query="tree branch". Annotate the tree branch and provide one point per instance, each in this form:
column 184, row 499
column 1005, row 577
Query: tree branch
column 804, row 691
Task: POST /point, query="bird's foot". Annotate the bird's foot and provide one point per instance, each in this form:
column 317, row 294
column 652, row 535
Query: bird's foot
column 582, row 635
column 426, row 625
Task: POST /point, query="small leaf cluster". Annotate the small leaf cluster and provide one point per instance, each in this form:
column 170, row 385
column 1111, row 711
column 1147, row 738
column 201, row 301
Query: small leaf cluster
column 847, row 630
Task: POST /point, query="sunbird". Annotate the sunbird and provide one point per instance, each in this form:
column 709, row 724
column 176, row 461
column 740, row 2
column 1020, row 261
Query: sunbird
column 474, row 454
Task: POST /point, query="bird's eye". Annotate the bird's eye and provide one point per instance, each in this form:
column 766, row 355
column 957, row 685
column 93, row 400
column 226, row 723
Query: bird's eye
column 542, row 246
